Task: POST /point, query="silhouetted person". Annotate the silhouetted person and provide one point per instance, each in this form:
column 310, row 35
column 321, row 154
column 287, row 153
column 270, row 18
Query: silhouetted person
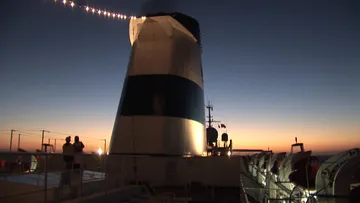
column 78, row 146
column 78, row 150
column 68, row 157
column 68, row 152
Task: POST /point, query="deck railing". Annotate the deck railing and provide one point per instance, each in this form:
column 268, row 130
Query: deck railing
column 41, row 177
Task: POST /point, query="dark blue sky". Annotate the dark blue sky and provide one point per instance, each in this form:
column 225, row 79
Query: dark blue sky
column 285, row 68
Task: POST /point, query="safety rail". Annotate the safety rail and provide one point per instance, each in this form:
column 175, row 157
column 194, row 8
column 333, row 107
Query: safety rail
column 29, row 179
column 100, row 174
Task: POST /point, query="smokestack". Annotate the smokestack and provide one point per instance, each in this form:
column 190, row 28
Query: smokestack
column 161, row 110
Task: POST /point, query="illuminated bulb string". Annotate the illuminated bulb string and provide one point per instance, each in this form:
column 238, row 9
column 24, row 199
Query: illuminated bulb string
column 100, row 12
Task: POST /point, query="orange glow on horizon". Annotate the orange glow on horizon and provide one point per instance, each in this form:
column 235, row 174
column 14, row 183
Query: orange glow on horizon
column 318, row 138
column 30, row 141
column 277, row 138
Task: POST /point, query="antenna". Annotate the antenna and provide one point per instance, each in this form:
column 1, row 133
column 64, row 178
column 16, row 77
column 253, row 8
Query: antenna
column 209, row 108
column 226, row 124
column 210, row 117
column 296, row 140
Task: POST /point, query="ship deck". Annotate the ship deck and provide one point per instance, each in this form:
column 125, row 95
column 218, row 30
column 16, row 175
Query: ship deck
column 206, row 179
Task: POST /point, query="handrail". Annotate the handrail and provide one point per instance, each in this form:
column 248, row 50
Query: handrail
column 19, row 194
column 42, row 154
column 243, row 195
column 7, row 178
column 35, row 191
column 53, row 172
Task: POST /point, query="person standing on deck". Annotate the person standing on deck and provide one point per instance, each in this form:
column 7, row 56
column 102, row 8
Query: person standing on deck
column 68, row 157
column 77, row 147
column 78, row 151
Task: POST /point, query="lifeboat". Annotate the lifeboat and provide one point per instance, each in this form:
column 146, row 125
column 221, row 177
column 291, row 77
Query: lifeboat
column 339, row 176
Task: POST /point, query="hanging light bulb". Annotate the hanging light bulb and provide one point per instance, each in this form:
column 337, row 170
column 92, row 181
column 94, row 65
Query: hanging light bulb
column 99, row 11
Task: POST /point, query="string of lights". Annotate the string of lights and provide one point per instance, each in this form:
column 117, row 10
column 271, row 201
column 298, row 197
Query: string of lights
column 97, row 11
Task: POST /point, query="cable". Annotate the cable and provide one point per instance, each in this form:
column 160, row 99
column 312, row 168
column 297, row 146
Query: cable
column 60, row 133
column 99, row 12
column 57, row 136
column 23, row 132
column 100, row 139
column 75, row 135
column 32, row 130
column 29, row 135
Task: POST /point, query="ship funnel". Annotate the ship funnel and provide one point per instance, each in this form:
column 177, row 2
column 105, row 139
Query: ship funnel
column 161, row 110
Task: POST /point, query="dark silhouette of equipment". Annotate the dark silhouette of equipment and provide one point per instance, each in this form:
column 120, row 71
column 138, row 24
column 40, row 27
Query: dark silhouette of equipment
column 225, row 139
column 212, row 135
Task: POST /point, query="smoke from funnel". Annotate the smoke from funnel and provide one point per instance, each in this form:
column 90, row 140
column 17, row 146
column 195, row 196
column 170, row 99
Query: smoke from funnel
column 158, row 6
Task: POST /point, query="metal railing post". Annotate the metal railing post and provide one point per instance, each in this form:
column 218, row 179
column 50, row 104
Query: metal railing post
column 135, row 170
column 81, row 177
column 45, row 178
column 212, row 182
column 123, row 174
column 104, row 171
column 186, row 161
column 2, row 191
column 243, row 195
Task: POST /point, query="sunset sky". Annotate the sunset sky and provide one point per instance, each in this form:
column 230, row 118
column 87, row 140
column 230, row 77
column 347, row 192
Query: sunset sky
column 274, row 70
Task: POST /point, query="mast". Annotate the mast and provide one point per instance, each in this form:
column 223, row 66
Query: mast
column 210, row 120
column 209, row 108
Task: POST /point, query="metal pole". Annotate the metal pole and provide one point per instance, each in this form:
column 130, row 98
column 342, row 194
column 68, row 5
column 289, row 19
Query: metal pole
column 49, row 141
column 81, row 179
column 45, row 178
column 19, row 141
column 11, row 138
column 105, row 146
column 42, row 140
column 54, row 145
column 105, row 172
column 243, row 195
